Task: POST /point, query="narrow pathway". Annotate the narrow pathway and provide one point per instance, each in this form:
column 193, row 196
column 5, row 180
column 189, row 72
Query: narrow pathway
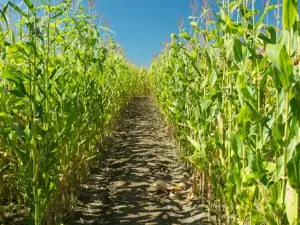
column 123, row 190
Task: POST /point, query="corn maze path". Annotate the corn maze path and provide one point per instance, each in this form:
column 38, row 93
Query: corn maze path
column 121, row 190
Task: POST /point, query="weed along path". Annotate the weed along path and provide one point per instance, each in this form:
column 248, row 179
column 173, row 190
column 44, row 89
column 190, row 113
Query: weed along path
column 140, row 180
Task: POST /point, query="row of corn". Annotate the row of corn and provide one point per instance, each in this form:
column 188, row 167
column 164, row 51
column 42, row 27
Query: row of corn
column 62, row 82
column 231, row 89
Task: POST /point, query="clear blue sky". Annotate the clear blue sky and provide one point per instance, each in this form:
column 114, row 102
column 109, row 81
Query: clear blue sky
column 141, row 26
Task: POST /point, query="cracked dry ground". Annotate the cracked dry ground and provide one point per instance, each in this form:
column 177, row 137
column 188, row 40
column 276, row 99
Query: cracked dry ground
column 121, row 190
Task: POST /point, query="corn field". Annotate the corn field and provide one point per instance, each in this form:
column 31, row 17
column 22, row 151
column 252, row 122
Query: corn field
column 228, row 85
column 63, row 80
column 231, row 89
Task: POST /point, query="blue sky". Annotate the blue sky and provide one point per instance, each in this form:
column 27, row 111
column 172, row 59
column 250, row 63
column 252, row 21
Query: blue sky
column 142, row 26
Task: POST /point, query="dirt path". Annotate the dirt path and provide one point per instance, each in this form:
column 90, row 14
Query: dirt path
column 121, row 190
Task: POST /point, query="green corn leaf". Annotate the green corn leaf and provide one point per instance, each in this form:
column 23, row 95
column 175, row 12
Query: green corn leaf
column 185, row 35
column 238, row 50
column 30, row 6
column 229, row 47
column 57, row 15
column 3, row 15
column 231, row 27
column 289, row 12
column 3, row 115
column 272, row 33
column 106, row 29
column 290, row 204
column 263, row 37
column 5, row 7
column 260, row 21
column 174, row 36
column 232, row 6
column 286, row 65
column 64, row 19
column 196, row 144
column 281, row 62
column 17, row 93
column 39, row 192
column 19, row 129
column 271, row 39
column 295, row 107
column 209, row 63
column 52, row 186
column 276, row 79
column 293, row 170
column 273, row 51
column 18, row 10
column 196, row 160
column 296, row 93
column 256, row 114
column 22, row 155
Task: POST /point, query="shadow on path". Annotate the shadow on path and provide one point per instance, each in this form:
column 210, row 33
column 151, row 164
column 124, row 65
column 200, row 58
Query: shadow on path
column 121, row 190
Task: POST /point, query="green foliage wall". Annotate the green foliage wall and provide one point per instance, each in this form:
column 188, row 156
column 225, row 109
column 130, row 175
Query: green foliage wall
column 62, row 82
column 231, row 89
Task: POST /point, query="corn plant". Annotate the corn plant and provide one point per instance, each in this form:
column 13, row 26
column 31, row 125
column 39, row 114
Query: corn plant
column 231, row 89
column 62, row 82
